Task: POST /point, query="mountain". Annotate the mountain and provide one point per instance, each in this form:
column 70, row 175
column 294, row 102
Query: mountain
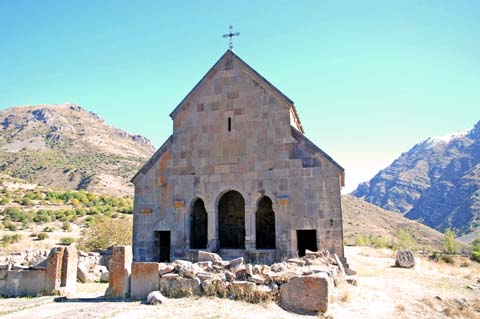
column 436, row 182
column 69, row 147
column 364, row 219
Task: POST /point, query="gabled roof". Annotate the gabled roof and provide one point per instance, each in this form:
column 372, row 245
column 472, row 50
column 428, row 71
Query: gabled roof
column 154, row 158
column 302, row 138
column 229, row 53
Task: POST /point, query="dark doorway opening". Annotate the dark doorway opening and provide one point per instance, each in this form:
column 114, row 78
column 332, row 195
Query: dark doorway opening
column 265, row 224
column 198, row 226
column 231, row 220
column 306, row 239
column 163, row 240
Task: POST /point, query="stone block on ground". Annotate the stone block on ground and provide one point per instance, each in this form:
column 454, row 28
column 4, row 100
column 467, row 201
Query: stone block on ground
column 178, row 287
column 82, row 272
column 208, row 256
column 120, row 268
column 405, row 259
column 156, row 298
column 306, row 294
column 243, row 290
column 144, row 279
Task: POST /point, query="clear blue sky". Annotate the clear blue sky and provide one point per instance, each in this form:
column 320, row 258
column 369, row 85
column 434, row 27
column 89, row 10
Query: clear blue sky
column 369, row 78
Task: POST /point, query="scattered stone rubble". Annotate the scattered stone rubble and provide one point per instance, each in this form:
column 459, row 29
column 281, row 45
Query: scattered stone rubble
column 302, row 285
column 94, row 266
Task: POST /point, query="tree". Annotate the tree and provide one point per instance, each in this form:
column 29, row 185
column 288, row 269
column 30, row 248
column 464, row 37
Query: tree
column 449, row 242
column 405, row 240
column 476, row 249
column 105, row 232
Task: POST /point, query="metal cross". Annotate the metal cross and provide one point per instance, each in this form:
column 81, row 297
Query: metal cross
column 230, row 35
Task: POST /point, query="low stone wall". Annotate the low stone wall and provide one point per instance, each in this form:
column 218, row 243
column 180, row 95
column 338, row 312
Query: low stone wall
column 303, row 285
column 57, row 276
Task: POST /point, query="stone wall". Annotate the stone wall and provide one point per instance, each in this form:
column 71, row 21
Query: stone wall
column 234, row 132
column 58, row 276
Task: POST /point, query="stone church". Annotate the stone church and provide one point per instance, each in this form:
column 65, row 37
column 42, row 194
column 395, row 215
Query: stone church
column 237, row 177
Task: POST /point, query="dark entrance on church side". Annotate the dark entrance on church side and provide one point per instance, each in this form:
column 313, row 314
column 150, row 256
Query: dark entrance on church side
column 231, row 220
column 198, row 225
column 306, row 239
column 162, row 241
column 265, row 224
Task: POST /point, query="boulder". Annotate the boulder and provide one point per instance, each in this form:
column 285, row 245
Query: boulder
column 230, row 276
column 208, row 256
column 164, row 269
column 306, row 294
column 243, row 290
column 104, row 276
column 178, row 287
column 82, row 272
column 156, row 298
column 405, row 259
column 235, row 264
column 249, row 269
column 296, row 261
column 257, row 279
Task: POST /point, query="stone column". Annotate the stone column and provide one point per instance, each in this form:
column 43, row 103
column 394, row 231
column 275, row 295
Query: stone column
column 53, row 278
column 212, row 228
column 250, row 227
column 69, row 270
column 120, row 269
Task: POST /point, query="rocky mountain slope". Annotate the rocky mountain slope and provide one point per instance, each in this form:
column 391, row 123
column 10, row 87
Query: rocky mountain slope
column 367, row 220
column 436, row 182
column 68, row 147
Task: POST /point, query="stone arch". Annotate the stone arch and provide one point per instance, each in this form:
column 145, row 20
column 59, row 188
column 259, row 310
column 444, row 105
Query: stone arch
column 265, row 224
column 198, row 225
column 231, row 220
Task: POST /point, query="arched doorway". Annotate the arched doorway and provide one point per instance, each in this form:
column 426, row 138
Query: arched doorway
column 231, row 220
column 198, row 225
column 265, row 224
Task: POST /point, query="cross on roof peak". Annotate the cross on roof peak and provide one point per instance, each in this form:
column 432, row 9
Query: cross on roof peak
column 230, row 35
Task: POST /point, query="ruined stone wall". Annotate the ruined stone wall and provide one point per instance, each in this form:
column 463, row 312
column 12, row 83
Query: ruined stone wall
column 257, row 156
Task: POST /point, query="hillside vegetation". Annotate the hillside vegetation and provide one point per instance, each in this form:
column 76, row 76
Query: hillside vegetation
column 34, row 217
column 366, row 222
column 68, row 147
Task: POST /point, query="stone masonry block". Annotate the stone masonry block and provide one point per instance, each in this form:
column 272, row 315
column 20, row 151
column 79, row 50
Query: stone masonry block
column 144, row 279
column 119, row 280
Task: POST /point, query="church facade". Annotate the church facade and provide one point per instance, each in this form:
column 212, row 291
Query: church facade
column 237, row 177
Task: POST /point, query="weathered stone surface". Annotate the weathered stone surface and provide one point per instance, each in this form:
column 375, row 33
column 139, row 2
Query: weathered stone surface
column 208, row 256
column 24, row 283
column 144, row 279
column 105, row 276
column 306, row 294
column 165, row 269
column 236, row 134
column 257, row 279
column 296, row 261
column 339, row 264
column 120, row 269
column 177, row 287
column 156, row 298
column 235, row 264
column 243, row 290
column 405, row 259
column 82, row 272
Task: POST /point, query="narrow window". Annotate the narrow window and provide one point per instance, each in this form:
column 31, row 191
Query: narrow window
column 229, row 124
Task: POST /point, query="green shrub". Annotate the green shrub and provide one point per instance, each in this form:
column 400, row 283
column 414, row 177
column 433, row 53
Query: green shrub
column 10, row 226
column 361, row 240
column 404, row 240
column 67, row 241
column 11, row 239
column 104, row 232
column 5, row 201
column 449, row 242
column 67, row 226
column 47, row 229
column 476, row 249
column 26, row 201
column 42, row 236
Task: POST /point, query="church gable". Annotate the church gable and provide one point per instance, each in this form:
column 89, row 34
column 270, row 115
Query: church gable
column 220, row 80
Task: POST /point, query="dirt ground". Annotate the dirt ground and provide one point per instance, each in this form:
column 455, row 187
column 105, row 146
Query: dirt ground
column 431, row 290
